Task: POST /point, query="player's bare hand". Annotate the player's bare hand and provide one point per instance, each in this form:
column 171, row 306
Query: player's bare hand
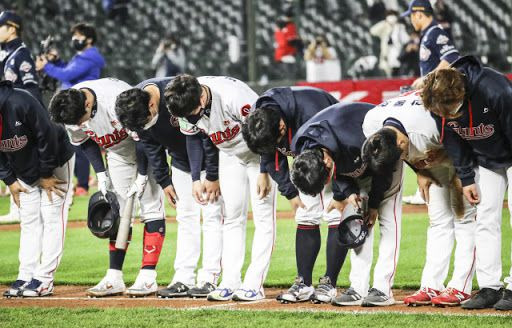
column 41, row 62
column 424, row 184
column 471, row 194
column 212, row 190
column 198, row 189
column 354, row 200
column 337, row 205
column 51, row 185
column 171, row 195
column 371, row 217
column 296, row 202
column 16, row 188
column 264, row 185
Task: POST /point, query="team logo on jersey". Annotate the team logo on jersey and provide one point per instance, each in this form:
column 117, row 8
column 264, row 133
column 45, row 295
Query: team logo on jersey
column 13, row 144
column 25, row 67
column 226, row 135
column 479, row 132
column 110, row 139
column 246, row 110
column 226, row 122
column 442, row 39
column 357, row 172
column 486, row 110
column 424, row 53
column 10, row 75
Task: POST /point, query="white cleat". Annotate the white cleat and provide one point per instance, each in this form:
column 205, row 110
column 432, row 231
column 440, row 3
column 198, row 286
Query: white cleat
column 298, row 292
column 112, row 284
column 144, row 285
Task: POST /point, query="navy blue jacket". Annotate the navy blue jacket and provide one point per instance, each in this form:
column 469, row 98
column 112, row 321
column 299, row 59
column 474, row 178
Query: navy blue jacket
column 338, row 128
column 435, row 45
column 165, row 134
column 31, row 145
column 296, row 105
column 483, row 134
column 19, row 68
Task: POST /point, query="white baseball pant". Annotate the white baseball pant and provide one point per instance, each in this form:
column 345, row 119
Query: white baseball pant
column 389, row 220
column 238, row 182
column 445, row 228
column 492, row 185
column 43, row 227
column 188, row 249
column 315, row 209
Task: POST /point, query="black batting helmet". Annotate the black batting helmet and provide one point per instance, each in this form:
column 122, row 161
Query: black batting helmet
column 352, row 230
column 103, row 215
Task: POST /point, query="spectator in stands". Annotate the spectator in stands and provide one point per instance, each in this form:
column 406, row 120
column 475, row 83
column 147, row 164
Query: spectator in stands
column 409, row 62
column 287, row 42
column 443, row 16
column 85, row 65
column 393, row 37
column 322, row 63
column 169, row 58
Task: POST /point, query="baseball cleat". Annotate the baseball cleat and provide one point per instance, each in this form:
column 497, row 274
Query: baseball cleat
column 220, row 294
column 298, row 292
column 348, row 298
column 144, row 285
column 37, row 288
column 485, row 298
column 505, row 303
column 201, row 291
column 325, row 292
column 111, row 285
column 423, row 296
column 173, row 290
column 15, row 288
column 247, row 295
column 450, row 297
column 377, row 298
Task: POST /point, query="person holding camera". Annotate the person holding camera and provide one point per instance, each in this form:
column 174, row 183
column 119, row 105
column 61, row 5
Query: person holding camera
column 169, row 58
column 84, row 66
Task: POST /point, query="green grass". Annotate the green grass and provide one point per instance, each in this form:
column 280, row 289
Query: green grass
column 150, row 317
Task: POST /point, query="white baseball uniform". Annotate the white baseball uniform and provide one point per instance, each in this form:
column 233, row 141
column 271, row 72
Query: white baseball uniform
column 105, row 129
column 239, row 169
column 445, row 228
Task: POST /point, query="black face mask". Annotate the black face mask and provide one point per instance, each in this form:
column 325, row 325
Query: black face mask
column 78, row 44
column 196, row 117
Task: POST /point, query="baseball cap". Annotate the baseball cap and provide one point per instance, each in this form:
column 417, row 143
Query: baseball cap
column 8, row 17
column 418, row 5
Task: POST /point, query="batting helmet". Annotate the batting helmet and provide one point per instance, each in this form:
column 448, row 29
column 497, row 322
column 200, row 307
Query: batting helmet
column 352, row 230
column 103, row 215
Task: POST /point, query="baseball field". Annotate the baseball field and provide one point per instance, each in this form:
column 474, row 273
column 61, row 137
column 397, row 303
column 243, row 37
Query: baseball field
column 85, row 260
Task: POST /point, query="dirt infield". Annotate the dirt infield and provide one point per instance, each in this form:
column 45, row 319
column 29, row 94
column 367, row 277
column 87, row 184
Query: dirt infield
column 74, row 297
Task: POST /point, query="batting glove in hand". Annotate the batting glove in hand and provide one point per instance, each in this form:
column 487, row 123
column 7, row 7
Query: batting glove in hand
column 104, row 183
column 138, row 186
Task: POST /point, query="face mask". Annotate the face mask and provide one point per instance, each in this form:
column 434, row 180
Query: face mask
column 151, row 122
column 78, row 44
column 196, row 117
column 391, row 19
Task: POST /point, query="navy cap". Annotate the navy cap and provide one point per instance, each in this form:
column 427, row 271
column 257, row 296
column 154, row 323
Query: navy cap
column 10, row 18
column 418, row 5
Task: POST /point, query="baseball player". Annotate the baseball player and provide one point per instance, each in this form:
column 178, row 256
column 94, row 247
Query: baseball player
column 36, row 161
column 88, row 110
column 330, row 147
column 472, row 107
column 268, row 131
column 217, row 106
column 451, row 219
column 16, row 65
column 142, row 109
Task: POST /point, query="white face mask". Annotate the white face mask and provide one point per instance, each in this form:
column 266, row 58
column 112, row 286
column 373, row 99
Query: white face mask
column 391, row 19
column 151, row 122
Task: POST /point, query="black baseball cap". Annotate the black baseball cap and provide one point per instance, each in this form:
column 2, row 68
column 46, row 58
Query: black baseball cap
column 8, row 17
column 418, row 5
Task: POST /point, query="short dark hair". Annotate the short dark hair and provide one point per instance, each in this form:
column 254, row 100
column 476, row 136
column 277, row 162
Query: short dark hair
column 182, row 95
column 309, row 172
column 67, row 106
column 85, row 29
column 381, row 152
column 132, row 108
column 261, row 130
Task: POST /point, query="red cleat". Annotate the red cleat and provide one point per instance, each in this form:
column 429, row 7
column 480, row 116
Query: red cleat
column 80, row 191
column 423, row 296
column 450, row 297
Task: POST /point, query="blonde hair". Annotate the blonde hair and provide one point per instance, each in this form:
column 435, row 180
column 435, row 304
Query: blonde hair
column 441, row 88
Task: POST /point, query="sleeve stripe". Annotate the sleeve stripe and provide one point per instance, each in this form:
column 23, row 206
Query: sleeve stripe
column 449, row 53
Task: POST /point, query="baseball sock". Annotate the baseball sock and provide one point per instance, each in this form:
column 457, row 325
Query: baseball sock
column 154, row 234
column 335, row 255
column 117, row 255
column 307, row 246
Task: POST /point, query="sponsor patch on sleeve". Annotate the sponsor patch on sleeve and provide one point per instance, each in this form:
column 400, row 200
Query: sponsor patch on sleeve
column 25, row 67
